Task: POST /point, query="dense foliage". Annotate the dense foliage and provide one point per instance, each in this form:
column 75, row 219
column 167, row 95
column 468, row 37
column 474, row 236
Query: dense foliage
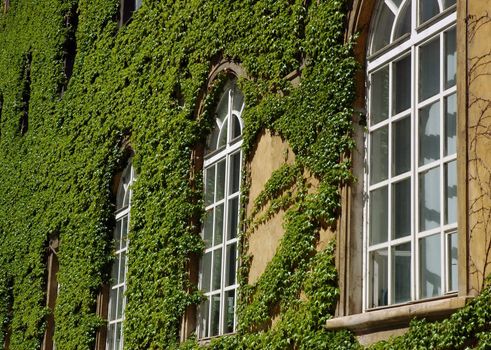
column 64, row 140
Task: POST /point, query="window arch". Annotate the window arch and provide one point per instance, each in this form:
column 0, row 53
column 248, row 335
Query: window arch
column 410, row 221
column 117, row 287
column 222, row 169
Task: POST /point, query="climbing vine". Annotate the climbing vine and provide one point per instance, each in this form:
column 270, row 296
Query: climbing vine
column 136, row 89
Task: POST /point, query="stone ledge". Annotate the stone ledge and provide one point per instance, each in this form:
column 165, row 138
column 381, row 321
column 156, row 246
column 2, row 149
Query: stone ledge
column 396, row 317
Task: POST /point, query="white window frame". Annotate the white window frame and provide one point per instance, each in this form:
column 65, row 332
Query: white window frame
column 232, row 148
column 386, row 57
column 121, row 215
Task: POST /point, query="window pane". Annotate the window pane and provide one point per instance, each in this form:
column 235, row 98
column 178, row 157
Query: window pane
column 217, row 269
column 117, row 235
column 379, row 100
column 238, row 100
column 113, row 298
column 378, row 215
column 208, row 228
column 401, row 143
column 429, row 69
column 378, row 155
column 234, row 173
column 453, row 276
column 119, row 312
column 215, row 315
column 450, row 58
column 401, row 272
column 428, row 9
column 402, row 85
column 117, row 342
column 110, row 336
column 429, row 199
column 448, row 3
column 381, row 36
column 233, row 217
column 204, row 318
column 402, row 208
column 222, row 138
column 209, row 185
column 403, row 25
column 229, row 311
column 220, row 181
column 451, row 192
column 206, row 272
column 236, row 129
column 230, row 264
column 378, row 279
column 430, row 269
column 218, row 239
column 429, row 133
column 115, row 270
column 122, row 267
column 451, row 125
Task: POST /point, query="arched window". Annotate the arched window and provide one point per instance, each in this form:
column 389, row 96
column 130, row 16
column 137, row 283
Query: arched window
column 222, row 169
column 411, row 174
column 117, row 300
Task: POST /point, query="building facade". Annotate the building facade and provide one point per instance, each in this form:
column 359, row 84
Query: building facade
column 245, row 175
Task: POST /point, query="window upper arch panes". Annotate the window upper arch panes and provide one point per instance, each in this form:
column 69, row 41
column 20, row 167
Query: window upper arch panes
column 228, row 122
column 394, row 19
column 123, row 194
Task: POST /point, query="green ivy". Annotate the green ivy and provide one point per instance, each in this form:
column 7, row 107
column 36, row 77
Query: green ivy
column 141, row 85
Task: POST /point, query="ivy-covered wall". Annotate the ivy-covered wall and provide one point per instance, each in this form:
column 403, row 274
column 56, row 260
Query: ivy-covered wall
column 62, row 143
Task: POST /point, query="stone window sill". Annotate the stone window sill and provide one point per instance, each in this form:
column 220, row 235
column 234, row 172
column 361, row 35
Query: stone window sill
column 397, row 317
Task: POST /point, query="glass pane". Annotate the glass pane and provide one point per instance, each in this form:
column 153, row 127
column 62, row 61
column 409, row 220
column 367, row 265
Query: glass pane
column 401, row 143
column 215, row 315
column 379, row 99
column 402, row 85
column 428, row 9
column 119, row 312
column 117, row 342
column 429, row 69
column 448, row 3
column 124, row 232
column 229, row 311
column 429, row 133
column 113, row 299
column 379, row 278
column 451, row 192
column 429, row 199
column 453, row 275
column 451, row 125
column 220, row 181
column 222, row 138
column 233, row 217
column 217, row 269
column 381, row 35
column 234, row 173
column 204, row 318
column 230, row 264
column 122, row 267
column 236, row 128
column 403, row 25
column 402, row 208
column 206, row 272
column 401, row 272
column 117, row 235
column 218, row 239
column 110, row 336
column 238, row 99
column 208, row 228
column 115, row 270
column 450, row 58
column 378, row 155
column 212, row 139
column 378, row 215
column 430, row 269
column 209, row 185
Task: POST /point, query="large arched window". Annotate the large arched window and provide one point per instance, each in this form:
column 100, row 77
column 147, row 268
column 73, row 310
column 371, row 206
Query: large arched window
column 411, row 178
column 117, row 300
column 222, row 169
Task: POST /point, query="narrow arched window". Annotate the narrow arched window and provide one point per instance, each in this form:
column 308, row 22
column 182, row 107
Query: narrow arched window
column 411, row 174
column 222, row 169
column 117, row 300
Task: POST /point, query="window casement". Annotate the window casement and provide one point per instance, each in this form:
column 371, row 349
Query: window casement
column 222, row 169
column 410, row 217
column 117, row 288
column 127, row 8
